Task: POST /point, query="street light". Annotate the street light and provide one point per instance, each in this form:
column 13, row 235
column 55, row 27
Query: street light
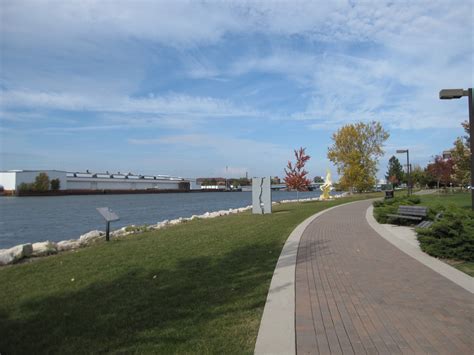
column 400, row 151
column 448, row 94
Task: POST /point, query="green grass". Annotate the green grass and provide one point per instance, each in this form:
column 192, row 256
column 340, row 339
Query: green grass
column 467, row 267
column 457, row 199
column 197, row 287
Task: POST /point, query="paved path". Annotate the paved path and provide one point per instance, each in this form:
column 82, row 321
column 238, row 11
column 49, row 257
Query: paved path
column 357, row 293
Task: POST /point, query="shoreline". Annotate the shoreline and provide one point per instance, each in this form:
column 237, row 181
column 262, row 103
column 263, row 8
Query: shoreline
column 101, row 192
column 40, row 249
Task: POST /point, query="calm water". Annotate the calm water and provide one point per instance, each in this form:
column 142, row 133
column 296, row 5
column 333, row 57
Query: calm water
column 33, row 219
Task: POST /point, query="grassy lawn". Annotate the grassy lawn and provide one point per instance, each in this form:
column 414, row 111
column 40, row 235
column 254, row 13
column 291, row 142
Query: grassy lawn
column 467, row 267
column 458, row 199
column 196, row 287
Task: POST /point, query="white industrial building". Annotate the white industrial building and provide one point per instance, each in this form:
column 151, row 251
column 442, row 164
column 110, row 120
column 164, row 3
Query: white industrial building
column 11, row 179
column 80, row 181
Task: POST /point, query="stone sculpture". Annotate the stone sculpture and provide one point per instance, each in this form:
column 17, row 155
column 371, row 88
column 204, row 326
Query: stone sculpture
column 326, row 187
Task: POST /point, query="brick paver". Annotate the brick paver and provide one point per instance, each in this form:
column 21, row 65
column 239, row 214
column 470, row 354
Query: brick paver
column 357, row 293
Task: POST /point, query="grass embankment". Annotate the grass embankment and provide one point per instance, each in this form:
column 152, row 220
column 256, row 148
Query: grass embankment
column 197, row 287
column 451, row 237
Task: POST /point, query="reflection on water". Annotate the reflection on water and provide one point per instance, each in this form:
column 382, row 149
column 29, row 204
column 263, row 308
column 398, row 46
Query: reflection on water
column 32, row 219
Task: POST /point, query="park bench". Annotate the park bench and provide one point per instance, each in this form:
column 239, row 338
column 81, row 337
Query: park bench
column 415, row 213
column 427, row 224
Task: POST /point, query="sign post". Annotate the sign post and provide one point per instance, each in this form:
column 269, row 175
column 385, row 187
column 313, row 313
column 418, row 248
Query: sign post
column 109, row 216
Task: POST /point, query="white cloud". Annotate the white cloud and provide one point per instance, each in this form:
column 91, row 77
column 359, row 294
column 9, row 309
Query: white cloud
column 190, row 22
column 418, row 47
column 369, row 60
column 176, row 104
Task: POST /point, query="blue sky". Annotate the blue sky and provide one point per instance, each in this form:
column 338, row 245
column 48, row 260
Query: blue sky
column 187, row 88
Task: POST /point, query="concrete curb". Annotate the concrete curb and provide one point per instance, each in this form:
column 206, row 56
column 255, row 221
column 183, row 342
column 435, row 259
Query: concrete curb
column 276, row 334
column 398, row 237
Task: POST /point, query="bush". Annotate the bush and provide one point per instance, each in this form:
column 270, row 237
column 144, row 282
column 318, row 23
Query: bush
column 390, row 206
column 451, row 237
column 24, row 187
column 55, row 184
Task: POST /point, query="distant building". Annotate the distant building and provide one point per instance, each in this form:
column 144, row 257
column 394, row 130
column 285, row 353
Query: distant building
column 447, row 154
column 12, row 179
column 211, row 181
column 87, row 181
column 276, row 180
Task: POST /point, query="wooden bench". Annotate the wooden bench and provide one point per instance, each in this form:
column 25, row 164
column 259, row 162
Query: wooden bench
column 415, row 213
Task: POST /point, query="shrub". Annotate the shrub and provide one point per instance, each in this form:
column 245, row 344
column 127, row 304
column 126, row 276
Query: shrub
column 451, row 237
column 390, row 206
column 24, row 187
column 55, row 184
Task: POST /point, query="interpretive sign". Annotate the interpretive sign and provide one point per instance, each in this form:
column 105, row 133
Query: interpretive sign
column 261, row 195
column 109, row 216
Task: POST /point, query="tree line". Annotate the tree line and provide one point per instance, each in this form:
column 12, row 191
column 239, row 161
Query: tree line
column 453, row 169
column 355, row 152
column 42, row 184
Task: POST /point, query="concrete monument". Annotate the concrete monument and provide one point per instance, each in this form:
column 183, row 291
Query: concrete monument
column 261, row 195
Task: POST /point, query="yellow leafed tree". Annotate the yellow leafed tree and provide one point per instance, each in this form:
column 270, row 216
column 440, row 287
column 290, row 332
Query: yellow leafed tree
column 355, row 152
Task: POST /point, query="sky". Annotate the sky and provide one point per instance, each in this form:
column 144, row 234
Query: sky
column 225, row 88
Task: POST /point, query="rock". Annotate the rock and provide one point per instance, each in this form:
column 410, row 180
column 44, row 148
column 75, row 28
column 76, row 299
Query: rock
column 176, row 221
column 68, row 245
column 44, row 248
column 9, row 256
column 90, row 237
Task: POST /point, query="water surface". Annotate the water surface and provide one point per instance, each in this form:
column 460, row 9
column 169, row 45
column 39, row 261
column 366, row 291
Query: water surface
column 55, row 218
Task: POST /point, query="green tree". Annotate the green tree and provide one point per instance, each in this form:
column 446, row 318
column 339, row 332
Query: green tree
column 395, row 172
column 55, row 184
column 24, row 187
column 418, row 176
column 461, row 156
column 41, row 182
column 318, row 179
column 355, row 152
column 467, row 137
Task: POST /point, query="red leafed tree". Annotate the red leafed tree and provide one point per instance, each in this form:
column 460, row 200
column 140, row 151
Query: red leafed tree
column 441, row 169
column 295, row 174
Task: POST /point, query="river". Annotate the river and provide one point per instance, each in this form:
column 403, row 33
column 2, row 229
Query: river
column 34, row 219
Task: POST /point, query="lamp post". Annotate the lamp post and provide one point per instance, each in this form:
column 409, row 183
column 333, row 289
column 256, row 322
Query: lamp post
column 399, row 151
column 448, row 94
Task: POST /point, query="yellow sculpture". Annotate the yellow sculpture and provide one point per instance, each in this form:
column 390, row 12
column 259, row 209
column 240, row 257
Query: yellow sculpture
column 326, row 187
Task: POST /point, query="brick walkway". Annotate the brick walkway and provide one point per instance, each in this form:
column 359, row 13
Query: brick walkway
column 357, row 293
